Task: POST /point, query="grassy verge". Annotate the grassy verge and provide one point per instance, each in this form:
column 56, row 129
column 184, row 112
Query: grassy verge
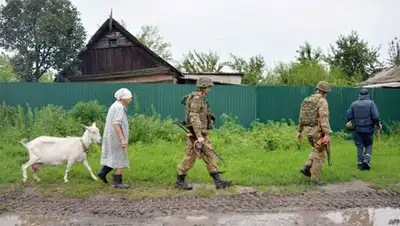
column 266, row 156
column 153, row 169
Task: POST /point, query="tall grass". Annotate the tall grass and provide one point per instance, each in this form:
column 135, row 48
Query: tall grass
column 263, row 155
column 18, row 122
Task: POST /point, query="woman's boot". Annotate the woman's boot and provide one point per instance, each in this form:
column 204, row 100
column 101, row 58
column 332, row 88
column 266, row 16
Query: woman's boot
column 118, row 182
column 103, row 173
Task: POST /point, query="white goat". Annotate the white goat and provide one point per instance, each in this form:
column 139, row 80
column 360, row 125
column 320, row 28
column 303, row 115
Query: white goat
column 46, row 150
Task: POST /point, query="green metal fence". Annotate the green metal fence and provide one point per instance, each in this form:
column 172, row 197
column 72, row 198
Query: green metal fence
column 248, row 103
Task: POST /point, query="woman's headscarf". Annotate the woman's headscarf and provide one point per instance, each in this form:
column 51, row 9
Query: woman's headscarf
column 122, row 94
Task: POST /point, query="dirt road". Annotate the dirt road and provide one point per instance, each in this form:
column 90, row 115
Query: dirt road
column 331, row 198
column 358, row 216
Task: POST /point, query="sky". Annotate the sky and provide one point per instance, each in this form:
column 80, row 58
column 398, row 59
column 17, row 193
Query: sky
column 274, row 29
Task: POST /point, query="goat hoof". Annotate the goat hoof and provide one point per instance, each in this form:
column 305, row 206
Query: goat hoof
column 95, row 178
column 65, row 181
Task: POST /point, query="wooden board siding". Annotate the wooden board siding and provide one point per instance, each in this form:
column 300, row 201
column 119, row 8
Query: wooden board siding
column 138, row 79
column 101, row 58
column 109, row 60
column 114, row 33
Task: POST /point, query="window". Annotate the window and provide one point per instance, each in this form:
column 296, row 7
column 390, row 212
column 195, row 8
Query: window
column 112, row 42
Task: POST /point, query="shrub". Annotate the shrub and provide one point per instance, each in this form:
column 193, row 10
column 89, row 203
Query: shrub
column 88, row 112
column 276, row 135
column 7, row 115
column 53, row 121
column 17, row 123
column 147, row 129
column 393, row 128
column 50, row 120
column 230, row 130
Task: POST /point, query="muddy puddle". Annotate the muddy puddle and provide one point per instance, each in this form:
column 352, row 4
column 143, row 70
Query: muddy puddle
column 364, row 217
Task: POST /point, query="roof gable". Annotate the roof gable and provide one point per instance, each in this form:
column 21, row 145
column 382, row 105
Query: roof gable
column 109, row 24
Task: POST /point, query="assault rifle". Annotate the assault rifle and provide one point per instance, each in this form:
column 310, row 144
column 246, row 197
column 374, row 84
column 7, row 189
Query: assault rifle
column 328, row 145
column 193, row 138
column 328, row 149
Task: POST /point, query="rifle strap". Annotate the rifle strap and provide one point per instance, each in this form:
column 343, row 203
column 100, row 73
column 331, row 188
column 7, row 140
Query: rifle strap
column 199, row 154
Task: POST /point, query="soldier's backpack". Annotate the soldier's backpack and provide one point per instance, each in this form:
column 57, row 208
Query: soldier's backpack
column 309, row 111
column 186, row 101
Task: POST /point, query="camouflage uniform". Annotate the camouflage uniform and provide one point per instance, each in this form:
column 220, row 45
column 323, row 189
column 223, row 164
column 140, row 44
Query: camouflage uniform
column 315, row 133
column 198, row 116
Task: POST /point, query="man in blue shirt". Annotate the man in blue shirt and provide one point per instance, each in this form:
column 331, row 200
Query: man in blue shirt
column 364, row 115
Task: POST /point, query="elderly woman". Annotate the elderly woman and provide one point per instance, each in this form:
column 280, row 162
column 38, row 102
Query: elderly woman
column 115, row 139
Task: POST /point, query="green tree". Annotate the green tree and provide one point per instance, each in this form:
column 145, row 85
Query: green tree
column 253, row 69
column 150, row 37
column 353, row 56
column 394, row 52
column 44, row 34
column 47, row 77
column 6, row 70
column 307, row 53
column 195, row 62
column 308, row 72
column 279, row 74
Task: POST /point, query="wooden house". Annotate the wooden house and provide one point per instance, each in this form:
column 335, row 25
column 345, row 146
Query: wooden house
column 219, row 78
column 386, row 78
column 113, row 55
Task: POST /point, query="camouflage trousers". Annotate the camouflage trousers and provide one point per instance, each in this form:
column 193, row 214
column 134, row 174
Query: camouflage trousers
column 316, row 158
column 191, row 154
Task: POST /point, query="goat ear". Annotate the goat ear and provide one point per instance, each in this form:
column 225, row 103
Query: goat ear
column 94, row 124
column 86, row 128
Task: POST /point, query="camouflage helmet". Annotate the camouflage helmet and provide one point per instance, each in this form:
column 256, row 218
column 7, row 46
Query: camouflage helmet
column 324, row 86
column 204, row 82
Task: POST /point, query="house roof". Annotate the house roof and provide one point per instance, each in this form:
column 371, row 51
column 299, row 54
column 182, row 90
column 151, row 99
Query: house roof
column 384, row 85
column 215, row 82
column 107, row 25
column 385, row 76
column 216, row 74
column 219, row 77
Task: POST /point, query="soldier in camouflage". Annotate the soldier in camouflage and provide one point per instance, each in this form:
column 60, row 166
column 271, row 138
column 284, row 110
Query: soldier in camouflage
column 198, row 116
column 317, row 133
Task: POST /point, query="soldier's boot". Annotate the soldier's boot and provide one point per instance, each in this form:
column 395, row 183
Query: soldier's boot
column 366, row 165
column 118, row 182
column 317, row 182
column 219, row 183
column 103, row 173
column 306, row 171
column 180, row 182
